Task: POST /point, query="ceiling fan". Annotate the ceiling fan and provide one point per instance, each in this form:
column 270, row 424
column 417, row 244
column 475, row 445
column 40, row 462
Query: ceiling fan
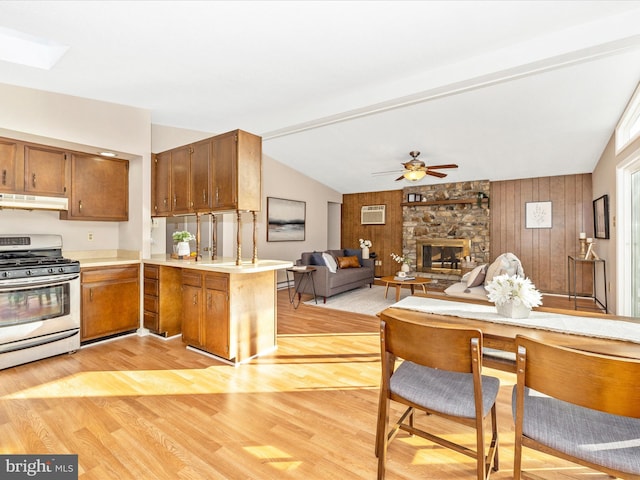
column 416, row 169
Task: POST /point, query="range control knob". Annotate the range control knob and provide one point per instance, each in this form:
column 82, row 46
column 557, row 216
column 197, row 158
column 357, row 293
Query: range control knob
column 28, row 272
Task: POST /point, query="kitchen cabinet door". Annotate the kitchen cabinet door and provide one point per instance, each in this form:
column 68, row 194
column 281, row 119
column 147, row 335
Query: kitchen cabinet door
column 161, row 184
column 10, row 166
column 201, row 176
column 110, row 302
column 99, row 189
column 216, row 324
column 181, row 180
column 45, row 171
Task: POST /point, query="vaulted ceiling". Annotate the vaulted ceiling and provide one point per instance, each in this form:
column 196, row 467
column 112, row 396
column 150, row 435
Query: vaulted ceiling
column 339, row 90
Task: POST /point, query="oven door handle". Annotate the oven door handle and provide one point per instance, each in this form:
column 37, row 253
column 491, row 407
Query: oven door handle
column 49, row 280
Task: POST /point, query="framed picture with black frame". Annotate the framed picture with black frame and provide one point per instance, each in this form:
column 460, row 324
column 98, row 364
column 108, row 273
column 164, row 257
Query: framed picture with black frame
column 601, row 217
column 286, row 220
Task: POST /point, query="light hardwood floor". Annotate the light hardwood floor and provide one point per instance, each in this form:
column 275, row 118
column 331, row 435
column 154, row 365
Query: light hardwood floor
column 147, row 408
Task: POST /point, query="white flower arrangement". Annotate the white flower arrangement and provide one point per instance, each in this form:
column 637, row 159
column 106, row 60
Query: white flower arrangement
column 401, row 259
column 183, row 236
column 520, row 290
column 365, row 243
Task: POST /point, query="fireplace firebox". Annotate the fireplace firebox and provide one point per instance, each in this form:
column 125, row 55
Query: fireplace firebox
column 441, row 255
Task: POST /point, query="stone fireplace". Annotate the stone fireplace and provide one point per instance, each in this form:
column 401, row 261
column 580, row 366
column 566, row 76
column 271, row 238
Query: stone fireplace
column 442, row 255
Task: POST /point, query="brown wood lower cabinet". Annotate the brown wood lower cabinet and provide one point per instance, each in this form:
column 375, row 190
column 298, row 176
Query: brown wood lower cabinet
column 163, row 300
column 232, row 316
column 110, row 302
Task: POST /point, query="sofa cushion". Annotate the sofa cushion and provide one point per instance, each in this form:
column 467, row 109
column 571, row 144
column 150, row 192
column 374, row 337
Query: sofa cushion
column 350, row 252
column 330, row 261
column 348, row 262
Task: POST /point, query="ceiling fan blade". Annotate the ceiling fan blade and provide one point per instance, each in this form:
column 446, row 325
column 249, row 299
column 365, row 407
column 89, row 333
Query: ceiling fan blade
column 400, row 178
column 388, row 172
column 449, row 165
column 436, row 174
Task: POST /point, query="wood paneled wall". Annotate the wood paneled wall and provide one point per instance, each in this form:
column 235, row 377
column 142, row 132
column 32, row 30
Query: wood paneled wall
column 544, row 251
column 385, row 238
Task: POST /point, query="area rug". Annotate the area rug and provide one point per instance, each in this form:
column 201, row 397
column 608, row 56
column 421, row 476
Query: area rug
column 365, row 300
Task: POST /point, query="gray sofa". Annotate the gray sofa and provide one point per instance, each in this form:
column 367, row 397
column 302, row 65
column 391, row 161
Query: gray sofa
column 328, row 283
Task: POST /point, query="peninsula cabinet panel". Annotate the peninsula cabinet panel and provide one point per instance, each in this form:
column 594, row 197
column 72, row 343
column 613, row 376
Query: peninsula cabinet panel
column 162, row 300
column 99, row 189
column 45, row 171
column 110, row 301
column 10, row 166
column 232, row 316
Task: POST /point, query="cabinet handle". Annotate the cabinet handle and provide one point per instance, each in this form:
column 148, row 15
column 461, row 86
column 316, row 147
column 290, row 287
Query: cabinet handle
column 166, row 200
column 217, row 195
column 175, row 200
column 195, row 298
column 209, row 301
column 4, row 177
column 204, row 196
column 33, row 180
column 80, row 205
column 91, row 294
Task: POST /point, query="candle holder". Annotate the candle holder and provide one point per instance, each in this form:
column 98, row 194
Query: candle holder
column 583, row 247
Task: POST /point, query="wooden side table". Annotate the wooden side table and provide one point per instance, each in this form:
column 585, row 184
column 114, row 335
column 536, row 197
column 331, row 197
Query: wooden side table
column 391, row 280
column 572, row 261
column 306, row 276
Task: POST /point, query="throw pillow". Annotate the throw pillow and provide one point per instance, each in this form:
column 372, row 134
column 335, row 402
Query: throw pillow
column 348, row 262
column 507, row 263
column 330, row 262
column 350, row 252
column 316, row 259
column 476, row 276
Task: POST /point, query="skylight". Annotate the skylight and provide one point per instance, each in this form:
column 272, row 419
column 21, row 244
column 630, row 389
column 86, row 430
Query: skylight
column 25, row 49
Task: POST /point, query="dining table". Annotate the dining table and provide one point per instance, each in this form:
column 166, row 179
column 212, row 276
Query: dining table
column 587, row 331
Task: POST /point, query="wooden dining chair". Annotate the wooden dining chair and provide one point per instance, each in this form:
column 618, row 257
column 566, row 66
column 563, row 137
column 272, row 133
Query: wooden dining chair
column 440, row 374
column 579, row 406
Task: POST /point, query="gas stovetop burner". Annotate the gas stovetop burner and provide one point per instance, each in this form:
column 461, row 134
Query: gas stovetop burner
column 23, row 256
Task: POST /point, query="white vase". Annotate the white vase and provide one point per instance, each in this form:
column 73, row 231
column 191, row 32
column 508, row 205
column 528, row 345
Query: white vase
column 365, row 252
column 513, row 310
column 182, row 249
column 405, row 267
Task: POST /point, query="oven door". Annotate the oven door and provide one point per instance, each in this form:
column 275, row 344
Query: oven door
column 38, row 310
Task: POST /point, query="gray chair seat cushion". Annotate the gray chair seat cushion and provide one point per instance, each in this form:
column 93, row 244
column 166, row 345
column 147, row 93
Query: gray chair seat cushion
column 601, row 438
column 450, row 393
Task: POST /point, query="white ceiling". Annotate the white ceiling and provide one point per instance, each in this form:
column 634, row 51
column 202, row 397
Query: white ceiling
column 338, row 90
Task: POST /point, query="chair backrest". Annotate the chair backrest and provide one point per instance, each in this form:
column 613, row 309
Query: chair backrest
column 447, row 348
column 599, row 382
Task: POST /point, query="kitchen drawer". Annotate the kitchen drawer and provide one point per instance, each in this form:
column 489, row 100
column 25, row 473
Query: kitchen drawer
column 193, row 278
column 150, row 304
column 217, row 282
column 107, row 274
column 151, row 287
column 151, row 321
column 151, row 271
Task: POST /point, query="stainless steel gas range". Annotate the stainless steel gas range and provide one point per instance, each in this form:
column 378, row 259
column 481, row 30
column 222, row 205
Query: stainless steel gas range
column 39, row 299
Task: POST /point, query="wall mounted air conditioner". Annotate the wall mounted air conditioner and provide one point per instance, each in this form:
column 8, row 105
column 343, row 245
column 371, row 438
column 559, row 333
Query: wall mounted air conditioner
column 372, row 215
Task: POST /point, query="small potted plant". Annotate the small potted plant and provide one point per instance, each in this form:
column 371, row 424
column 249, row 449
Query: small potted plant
column 404, row 261
column 513, row 295
column 182, row 239
column 365, row 245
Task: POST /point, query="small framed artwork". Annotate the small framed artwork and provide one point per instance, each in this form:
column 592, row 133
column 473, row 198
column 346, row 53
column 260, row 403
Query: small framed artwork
column 411, row 197
column 286, row 220
column 601, row 217
column 538, row 215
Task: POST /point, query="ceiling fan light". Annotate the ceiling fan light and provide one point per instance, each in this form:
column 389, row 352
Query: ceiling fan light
column 414, row 175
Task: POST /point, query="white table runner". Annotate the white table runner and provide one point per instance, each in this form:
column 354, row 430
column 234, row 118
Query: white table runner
column 556, row 322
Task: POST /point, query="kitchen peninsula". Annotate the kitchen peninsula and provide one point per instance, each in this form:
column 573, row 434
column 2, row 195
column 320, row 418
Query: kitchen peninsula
column 221, row 308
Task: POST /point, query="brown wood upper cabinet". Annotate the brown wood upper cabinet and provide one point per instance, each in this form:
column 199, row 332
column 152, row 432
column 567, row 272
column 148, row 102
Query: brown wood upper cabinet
column 221, row 173
column 32, row 169
column 99, row 189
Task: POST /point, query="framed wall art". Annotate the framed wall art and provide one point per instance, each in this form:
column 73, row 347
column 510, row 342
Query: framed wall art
column 538, row 215
column 601, row 217
column 285, row 220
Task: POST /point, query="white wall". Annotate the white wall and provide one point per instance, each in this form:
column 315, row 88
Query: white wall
column 89, row 126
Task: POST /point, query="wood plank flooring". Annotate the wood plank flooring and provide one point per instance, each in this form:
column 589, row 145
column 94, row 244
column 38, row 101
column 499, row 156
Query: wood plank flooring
column 147, row 408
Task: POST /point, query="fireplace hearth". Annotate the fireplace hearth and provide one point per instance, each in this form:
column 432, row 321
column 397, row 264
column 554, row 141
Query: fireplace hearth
column 441, row 255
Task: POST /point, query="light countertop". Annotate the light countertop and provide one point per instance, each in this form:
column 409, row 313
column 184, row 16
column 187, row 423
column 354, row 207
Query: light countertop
column 222, row 265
